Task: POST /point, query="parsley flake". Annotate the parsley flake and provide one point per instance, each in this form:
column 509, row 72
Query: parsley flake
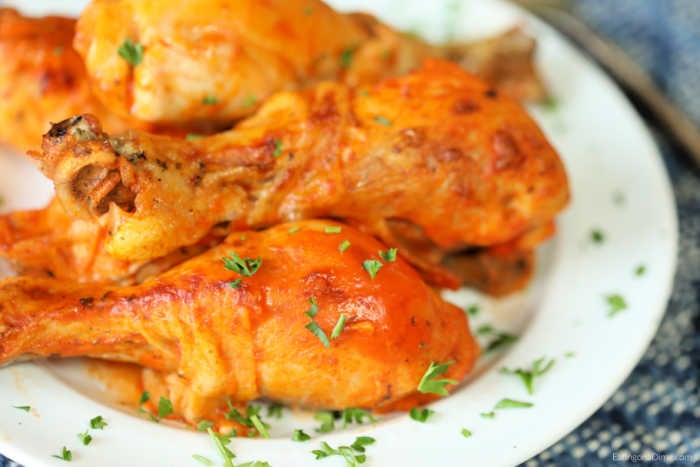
column 293, row 230
column 250, row 100
column 210, row 100
column 507, row 403
column 430, row 384
column 344, row 245
column 346, row 57
column 472, row 310
column 597, row 236
column 313, row 309
column 259, row 425
column 550, row 104
column 165, row 407
column 193, row 136
column 327, row 420
column 278, row 148
column 489, row 415
column 353, row 454
column 25, row 408
column 358, row 416
column 502, row 339
column 300, row 436
column 332, row 229
column 640, row 270
column 204, row 425
column 617, row 303
column 382, row 120
column 539, row 367
column 85, row 438
column 236, row 284
column 65, row 455
column 98, row 423
column 388, row 255
column 466, row 433
column 372, row 266
column 131, row 52
column 421, row 415
column 338, row 328
column 275, row 410
column 570, row 354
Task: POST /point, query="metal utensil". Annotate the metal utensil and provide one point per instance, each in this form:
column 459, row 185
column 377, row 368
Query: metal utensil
column 628, row 74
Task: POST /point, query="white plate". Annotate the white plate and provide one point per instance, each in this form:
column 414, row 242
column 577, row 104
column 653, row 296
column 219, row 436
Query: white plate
column 607, row 151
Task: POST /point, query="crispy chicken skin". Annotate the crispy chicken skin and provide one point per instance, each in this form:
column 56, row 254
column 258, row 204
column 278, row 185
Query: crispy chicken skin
column 436, row 153
column 42, row 79
column 251, row 341
column 211, row 61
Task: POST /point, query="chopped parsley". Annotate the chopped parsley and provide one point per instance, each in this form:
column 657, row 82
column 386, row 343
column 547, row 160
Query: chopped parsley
column 251, row 419
column 250, row 100
column 85, row 438
column 318, row 332
column 502, row 339
column 300, row 436
column 244, row 266
column 220, row 442
column 332, row 229
column 346, row 57
column 617, row 303
column 507, row 403
column 278, row 148
column 313, row 309
column 539, row 367
column 484, row 329
column 131, row 52
column 338, row 328
column 259, row 425
column 640, row 270
column 466, row 433
column 358, row 416
column 204, row 425
column 236, row 284
column 26, row 408
column 293, row 230
column 353, row 454
column 421, row 415
column 550, row 103
column 388, row 255
column 597, row 236
column 275, row 410
column 472, row 310
column 165, row 407
column 489, row 415
column 254, row 464
column 430, row 382
column 203, row 460
column 210, row 100
column 98, row 423
column 193, row 136
column 327, row 420
column 570, row 354
column 65, row 455
column 382, row 120
column 372, row 266
column 145, row 397
column 344, row 245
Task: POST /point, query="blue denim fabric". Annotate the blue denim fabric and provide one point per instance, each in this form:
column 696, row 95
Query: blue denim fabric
column 656, row 412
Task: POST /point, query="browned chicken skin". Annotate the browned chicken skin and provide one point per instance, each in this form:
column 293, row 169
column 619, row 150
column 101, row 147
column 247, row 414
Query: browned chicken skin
column 436, row 152
column 251, row 341
column 212, row 61
column 42, row 79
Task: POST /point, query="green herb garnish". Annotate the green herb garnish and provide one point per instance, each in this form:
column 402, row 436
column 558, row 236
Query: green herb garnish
column 528, row 376
column 249, row 101
column 275, row 410
column 502, row 339
column 550, row 103
column 244, row 266
column 640, row 270
column 382, row 120
column 356, row 415
column 65, row 455
column 597, row 236
column 431, row 384
column 466, row 433
column 353, row 454
column 97, row 423
column 388, row 255
column 278, row 148
column 338, row 328
column 327, row 420
column 421, row 415
column 346, row 57
column 332, row 229
column 193, row 136
column 318, row 332
column 616, row 303
column 507, row 403
column 210, row 100
column 26, row 408
column 259, row 425
column 131, row 52
column 473, row 310
column 313, row 309
column 85, row 438
column 490, row 415
column 569, row 354
column 372, row 266
column 145, row 397
column 293, row 230
column 165, row 407
column 203, row 460
column 484, row 329
column 300, row 436
column 236, row 284
column 344, row 245
column 220, row 442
